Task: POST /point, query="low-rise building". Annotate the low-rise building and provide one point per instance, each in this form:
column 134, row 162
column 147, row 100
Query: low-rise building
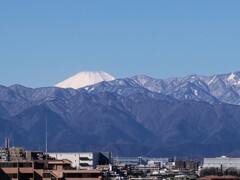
column 12, row 153
column 191, row 165
column 84, row 160
column 180, row 164
column 122, row 161
column 185, row 165
column 222, row 163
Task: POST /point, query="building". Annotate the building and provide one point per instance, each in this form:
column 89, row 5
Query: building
column 19, row 154
column 179, row 164
column 122, row 161
column 12, row 153
column 18, row 164
column 185, row 165
column 222, row 163
column 4, row 154
column 154, row 161
column 84, row 160
column 44, row 170
column 191, row 165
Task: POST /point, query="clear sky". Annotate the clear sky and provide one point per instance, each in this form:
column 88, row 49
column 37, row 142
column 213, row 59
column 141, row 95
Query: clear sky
column 43, row 42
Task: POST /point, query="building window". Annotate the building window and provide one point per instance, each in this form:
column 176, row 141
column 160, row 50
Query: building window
column 47, row 175
column 84, row 158
column 8, row 165
column 84, row 164
column 81, row 175
column 12, row 175
column 25, row 165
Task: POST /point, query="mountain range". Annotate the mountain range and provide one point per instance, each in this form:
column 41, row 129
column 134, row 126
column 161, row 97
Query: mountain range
column 193, row 116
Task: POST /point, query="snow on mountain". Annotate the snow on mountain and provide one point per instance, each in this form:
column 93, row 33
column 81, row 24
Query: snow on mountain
column 231, row 77
column 84, row 79
column 224, row 87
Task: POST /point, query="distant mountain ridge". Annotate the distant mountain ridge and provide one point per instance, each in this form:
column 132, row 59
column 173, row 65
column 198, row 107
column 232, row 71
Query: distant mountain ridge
column 193, row 116
column 224, row 87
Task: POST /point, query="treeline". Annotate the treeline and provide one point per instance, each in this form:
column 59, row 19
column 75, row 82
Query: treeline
column 219, row 172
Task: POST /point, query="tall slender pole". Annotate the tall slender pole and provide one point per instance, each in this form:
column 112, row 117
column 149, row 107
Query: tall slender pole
column 46, row 145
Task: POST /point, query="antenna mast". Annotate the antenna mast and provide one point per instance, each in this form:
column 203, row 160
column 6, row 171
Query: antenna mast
column 46, row 128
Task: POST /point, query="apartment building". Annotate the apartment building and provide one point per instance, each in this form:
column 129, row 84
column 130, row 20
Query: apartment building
column 84, row 160
column 44, row 170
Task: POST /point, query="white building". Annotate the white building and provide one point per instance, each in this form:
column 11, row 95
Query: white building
column 221, row 162
column 84, row 160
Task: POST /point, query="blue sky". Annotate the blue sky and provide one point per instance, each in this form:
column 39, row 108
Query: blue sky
column 43, row 42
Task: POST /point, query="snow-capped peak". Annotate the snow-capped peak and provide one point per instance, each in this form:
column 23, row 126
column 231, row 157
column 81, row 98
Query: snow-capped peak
column 84, row 79
column 231, row 77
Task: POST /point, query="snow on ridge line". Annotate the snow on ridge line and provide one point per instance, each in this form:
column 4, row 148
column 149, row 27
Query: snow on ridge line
column 231, row 77
column 84, row 79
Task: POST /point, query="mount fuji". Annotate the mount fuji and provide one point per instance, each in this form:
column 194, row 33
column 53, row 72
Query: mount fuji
column 84, row 79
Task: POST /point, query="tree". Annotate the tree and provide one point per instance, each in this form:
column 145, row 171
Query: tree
column 210, row 171
column 231, row 171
